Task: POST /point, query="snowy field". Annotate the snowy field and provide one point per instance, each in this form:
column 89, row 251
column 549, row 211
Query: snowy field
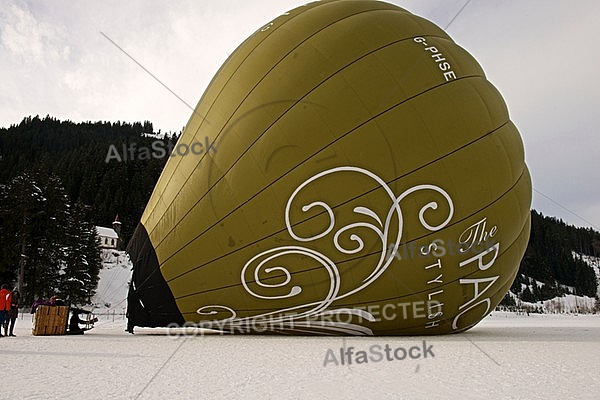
column 506, row 356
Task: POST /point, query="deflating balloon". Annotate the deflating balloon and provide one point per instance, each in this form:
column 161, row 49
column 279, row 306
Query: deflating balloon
column 352, row 172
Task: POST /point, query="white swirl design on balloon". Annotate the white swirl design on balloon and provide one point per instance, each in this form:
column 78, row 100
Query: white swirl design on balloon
column 315, row 317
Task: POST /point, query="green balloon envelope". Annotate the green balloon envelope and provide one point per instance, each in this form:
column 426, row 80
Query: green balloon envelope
column 359, row 175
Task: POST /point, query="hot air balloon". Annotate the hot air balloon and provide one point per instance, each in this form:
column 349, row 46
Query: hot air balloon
column 360, row 176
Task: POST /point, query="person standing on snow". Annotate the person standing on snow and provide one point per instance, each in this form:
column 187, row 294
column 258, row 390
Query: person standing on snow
column 13, row 313
column 5, row 301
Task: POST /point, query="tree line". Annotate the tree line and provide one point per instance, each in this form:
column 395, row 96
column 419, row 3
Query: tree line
column 552, row 260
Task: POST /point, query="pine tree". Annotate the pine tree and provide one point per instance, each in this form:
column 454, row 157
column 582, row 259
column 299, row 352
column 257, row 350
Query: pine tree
column 47, row 250
column 527, row 295
column 22, row 212
column 79, row 275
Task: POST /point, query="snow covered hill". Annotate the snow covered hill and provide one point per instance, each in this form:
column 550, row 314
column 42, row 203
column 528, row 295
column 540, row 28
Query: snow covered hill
column 113, row 284
column 569, row 303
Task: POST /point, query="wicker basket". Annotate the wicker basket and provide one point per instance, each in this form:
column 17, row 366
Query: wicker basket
column 50, row 320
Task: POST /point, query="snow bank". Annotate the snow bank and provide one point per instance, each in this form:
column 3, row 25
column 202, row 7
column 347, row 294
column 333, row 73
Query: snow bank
column 568, row 303
column 111, row 294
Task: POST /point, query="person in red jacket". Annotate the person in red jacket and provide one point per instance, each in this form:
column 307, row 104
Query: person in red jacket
column 5, row 301
column 13, row 313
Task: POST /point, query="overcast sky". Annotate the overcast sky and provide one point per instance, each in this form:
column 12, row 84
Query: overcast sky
column 543, row 56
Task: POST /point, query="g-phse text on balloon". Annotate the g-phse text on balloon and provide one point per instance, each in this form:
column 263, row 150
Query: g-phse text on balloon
column 439, row 58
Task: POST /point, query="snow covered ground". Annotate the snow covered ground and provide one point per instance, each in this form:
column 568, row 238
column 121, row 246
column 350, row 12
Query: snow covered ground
column 509, row 356
column 506, row 356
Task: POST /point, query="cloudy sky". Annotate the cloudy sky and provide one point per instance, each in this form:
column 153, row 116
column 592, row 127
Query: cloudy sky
column 543, row 55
